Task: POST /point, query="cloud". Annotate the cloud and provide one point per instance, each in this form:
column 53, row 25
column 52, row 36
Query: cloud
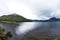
column 46, row 12
column 44, row 7
column 32, row 9
column 21, row 9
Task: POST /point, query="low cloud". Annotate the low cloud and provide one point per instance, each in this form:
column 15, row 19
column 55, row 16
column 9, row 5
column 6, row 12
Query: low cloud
column 36, row 8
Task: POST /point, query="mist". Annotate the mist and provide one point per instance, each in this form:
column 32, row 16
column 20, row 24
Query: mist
column 31, row 9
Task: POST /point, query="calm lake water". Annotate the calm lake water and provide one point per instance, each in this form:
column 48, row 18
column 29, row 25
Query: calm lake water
column 21, row 30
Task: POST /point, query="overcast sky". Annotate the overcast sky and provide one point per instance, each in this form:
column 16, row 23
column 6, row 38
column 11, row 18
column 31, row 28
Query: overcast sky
column 31, row 9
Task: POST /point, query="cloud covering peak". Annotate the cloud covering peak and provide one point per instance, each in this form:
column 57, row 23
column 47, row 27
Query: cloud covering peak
column 31, row 9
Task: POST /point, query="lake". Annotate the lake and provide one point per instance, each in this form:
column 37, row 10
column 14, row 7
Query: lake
column 24, row 30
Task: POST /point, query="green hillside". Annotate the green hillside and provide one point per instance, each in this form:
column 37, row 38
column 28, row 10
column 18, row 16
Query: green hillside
column 14, row 18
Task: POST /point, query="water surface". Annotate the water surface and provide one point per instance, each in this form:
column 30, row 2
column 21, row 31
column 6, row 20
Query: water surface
column 20, row 30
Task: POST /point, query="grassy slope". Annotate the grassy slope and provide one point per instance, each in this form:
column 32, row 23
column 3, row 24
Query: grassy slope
column 13, row 18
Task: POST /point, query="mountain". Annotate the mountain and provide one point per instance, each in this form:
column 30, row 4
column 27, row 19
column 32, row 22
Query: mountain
column 53, row 19
column 13, row 18
column 19, row 18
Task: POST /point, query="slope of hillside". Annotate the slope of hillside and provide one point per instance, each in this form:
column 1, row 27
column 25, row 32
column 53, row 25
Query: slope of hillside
column 14, row 18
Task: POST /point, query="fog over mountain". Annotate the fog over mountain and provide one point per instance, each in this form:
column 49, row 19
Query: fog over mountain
column 31, row 9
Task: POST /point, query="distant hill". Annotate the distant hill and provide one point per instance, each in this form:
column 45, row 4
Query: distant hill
column 53, row 19
column 13, row 18
column 19, row 18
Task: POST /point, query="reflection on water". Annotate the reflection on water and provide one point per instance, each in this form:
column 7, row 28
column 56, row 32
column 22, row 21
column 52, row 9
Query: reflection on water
column 35, row 28
column 25, row 27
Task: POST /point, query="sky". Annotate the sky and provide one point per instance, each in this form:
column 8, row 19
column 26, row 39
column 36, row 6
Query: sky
column 31, row 9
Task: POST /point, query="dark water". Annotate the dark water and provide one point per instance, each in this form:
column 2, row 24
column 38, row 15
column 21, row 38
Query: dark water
column 21, row 31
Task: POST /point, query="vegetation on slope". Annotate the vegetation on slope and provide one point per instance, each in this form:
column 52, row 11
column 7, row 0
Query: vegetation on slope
column 13, row 18
column 57, row 38
column 4, row 35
